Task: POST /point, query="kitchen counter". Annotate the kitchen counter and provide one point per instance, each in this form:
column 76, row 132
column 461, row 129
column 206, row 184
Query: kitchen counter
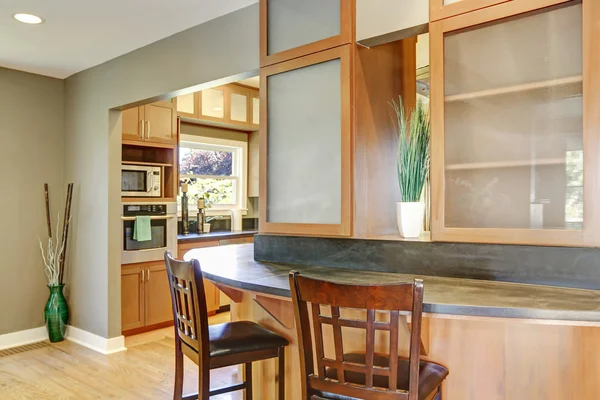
column 235, row 266
column 500, row 340
column 195, row 237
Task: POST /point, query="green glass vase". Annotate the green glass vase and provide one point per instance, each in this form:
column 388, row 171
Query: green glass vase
column 56, row 314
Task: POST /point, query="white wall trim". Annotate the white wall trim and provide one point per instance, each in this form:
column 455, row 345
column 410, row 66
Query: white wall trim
column 21, row 338
column 95, row 342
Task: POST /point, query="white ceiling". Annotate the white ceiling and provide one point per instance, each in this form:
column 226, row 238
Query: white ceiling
column 78, row 34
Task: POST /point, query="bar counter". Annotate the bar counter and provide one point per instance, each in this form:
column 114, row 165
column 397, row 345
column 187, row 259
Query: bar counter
column 499, row 340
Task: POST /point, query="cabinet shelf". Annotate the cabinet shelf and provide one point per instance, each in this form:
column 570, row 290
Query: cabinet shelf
column 572, row 82
column 505, row 164
column 149, row 164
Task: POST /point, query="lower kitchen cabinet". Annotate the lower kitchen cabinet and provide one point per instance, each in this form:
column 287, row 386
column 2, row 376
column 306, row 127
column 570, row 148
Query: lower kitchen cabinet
column 145, row 295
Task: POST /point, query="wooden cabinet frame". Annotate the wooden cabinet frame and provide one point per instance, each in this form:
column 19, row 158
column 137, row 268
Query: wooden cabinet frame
column 345, row 55
column 437, row 9
column 590, row 235
column 346, row 36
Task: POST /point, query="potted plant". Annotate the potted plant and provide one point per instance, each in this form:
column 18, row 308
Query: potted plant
column 414, row 135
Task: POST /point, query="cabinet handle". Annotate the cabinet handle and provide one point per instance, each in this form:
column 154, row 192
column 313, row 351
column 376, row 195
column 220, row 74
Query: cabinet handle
column 143, row 275
column 148, row 275
column 148, row 129
column 143, row 131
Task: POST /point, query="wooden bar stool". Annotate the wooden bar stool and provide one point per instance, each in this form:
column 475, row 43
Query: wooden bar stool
column 362, row 375
column 215, row 346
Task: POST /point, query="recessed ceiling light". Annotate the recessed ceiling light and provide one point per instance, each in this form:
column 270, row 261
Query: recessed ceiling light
column 28, row 18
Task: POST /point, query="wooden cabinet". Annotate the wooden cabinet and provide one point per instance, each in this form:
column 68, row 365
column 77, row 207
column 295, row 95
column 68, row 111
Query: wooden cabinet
column 145, row 296
column 306, row 145
column 210, row 290
column 132, row 297
column 515, row 131
column 253, row 164
column 152, row 123
column 286, row 32
column 255, row 109
column 440, row 9
column 229, row 106
column 158, row 307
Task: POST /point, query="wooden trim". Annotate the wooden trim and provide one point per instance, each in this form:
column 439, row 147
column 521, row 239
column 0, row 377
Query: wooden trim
column 346, row 36
column 437, row 9
column 234, row 294
column 150, row 144
column 590, row 236
column 281, row 310
column 345, row 54
column 143, row 329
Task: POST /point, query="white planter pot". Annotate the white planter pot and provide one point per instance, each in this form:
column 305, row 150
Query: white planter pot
column 206, row 228
column 410, row 218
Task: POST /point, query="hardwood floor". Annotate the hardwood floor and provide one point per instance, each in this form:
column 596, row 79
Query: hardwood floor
column 68, row 371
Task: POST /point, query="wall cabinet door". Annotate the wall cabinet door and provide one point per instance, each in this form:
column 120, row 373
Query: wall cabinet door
column 133, row 124
column 440, row 9
column 291, row 28
column 132, row 297
column 158, row 308
column 515, row 131
column 238, row 105
column 188, row 106
column 255, row 110
column 305, row 165
column 161, row 122
column 212, row 104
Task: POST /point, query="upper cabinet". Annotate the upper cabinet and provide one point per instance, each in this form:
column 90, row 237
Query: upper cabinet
column 230, row 106
column 515, row 126
column 305, row 145
column 152, row 123
column 440, row 9
column 291, row 28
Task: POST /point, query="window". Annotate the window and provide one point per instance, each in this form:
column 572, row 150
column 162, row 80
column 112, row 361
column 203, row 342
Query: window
column 214, row 169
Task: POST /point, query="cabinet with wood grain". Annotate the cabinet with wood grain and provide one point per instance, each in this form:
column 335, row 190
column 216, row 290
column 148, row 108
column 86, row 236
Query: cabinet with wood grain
column 145, row 297
column 515, row 143
column 154, row 123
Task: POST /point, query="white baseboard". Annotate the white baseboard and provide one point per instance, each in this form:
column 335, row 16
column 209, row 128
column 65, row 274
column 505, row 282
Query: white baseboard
column 95, row 342
column 21, row 338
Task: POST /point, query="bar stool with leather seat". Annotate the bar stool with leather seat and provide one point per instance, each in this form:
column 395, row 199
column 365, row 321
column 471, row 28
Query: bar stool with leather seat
column 367, row 375
column 215, row 346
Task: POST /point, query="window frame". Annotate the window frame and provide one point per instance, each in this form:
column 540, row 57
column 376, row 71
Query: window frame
column 239, row 172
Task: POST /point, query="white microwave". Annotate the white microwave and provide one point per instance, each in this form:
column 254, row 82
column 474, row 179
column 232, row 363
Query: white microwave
column 140, row 181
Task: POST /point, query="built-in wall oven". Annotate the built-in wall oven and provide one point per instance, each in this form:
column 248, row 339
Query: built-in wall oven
column 163, row 228
column 141, row 181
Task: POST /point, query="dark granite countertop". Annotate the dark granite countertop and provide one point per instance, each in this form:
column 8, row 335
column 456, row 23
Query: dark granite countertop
column 195, row 237
column 235, row 266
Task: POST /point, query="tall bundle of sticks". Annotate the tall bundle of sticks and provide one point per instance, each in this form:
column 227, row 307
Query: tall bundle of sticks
column 54, row 257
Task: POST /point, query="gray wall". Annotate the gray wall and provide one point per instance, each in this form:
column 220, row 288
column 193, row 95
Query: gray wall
column 224, row 49
column 31, row 153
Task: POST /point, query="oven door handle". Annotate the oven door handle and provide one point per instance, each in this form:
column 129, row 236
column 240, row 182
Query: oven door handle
column 153, row 217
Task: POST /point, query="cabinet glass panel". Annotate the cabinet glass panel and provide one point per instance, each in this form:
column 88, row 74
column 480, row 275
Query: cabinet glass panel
column 514, row 123
column 213, row 103
column 239, row 107
column 304, row 145
column 185, row 103
column 255, row 111
column 293, row 23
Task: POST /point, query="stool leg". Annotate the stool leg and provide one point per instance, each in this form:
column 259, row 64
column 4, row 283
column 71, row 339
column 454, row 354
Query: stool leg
column 178, row 389
column 248, row 392
column 281, row 359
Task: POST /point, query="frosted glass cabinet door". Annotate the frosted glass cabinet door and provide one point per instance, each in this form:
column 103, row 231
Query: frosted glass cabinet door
column 307, row 143
column 212, row 103
column 288, row 27
column 514, row 128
